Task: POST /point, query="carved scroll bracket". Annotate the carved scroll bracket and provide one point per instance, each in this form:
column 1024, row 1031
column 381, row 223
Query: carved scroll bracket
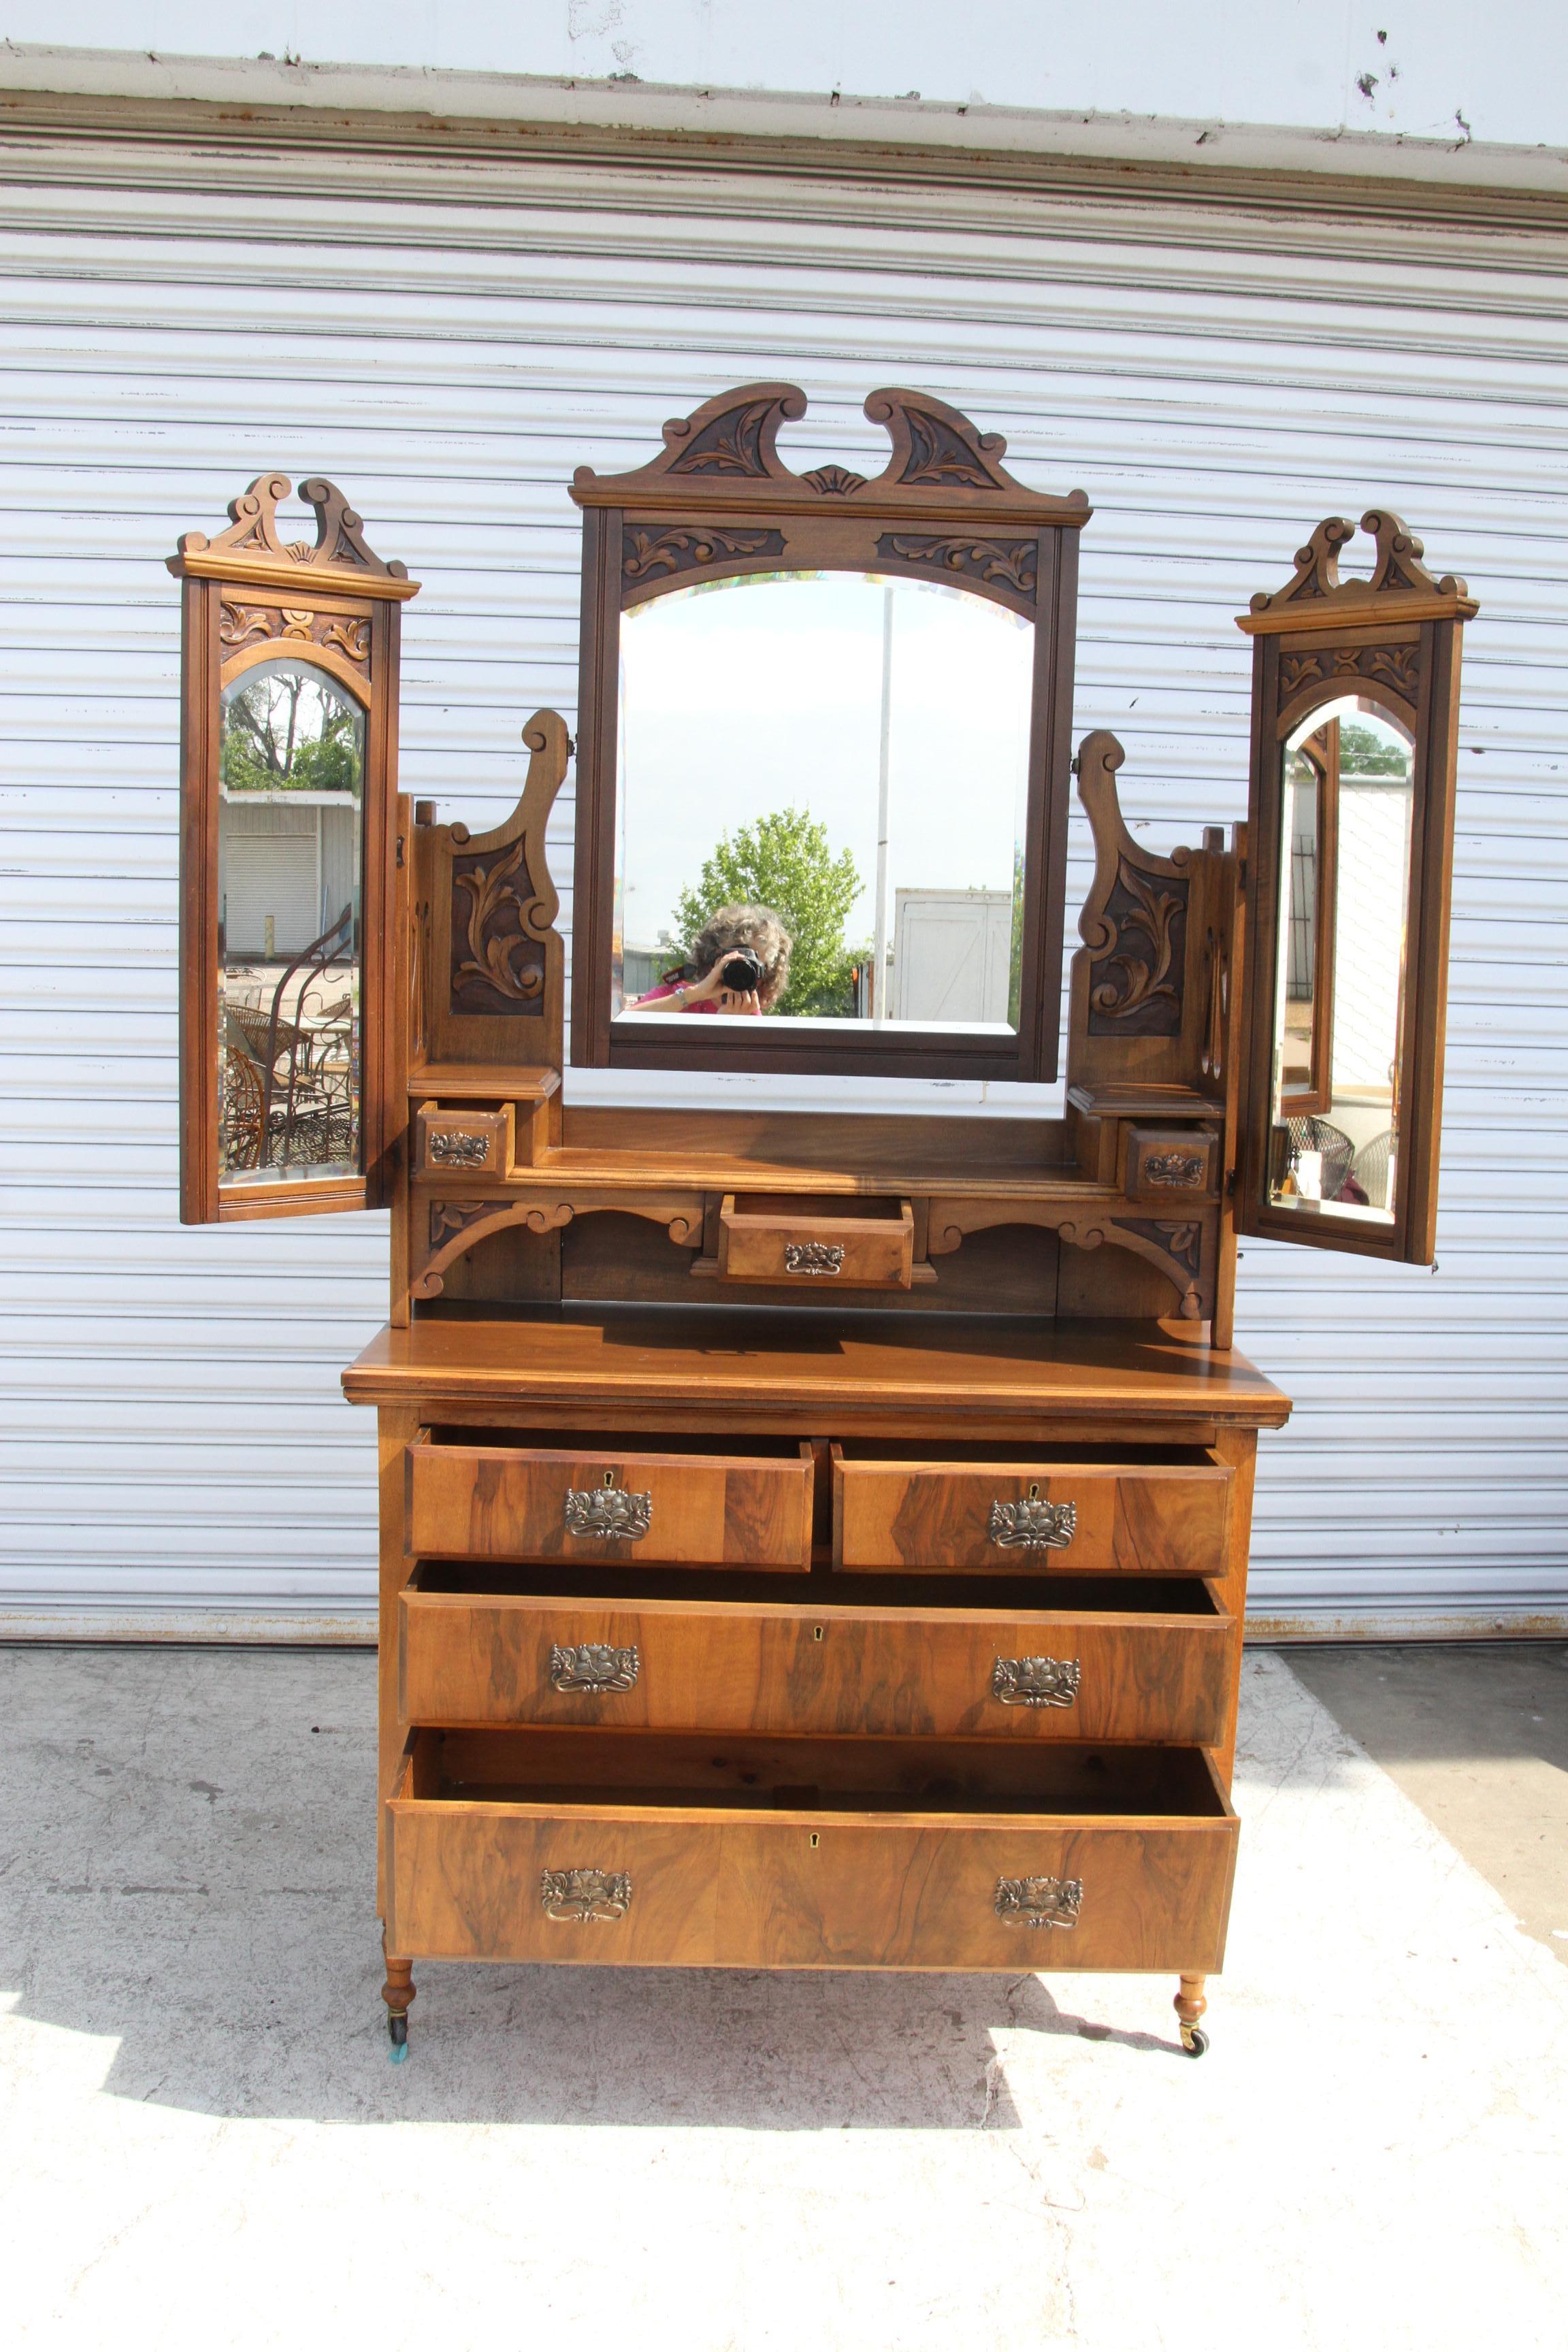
column 1134, row 919
column 1183, row 1248
column 451, row 1228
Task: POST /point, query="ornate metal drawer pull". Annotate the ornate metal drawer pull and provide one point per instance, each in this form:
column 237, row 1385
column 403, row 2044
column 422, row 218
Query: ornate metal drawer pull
column 1176, row 1171
column 1039, row 1902
column 584, row 1894
column 813, row 1257
column 593, row 1666
column 1031, row 1682
column 454, row 1148
column 607, row 1511
column 1033, row 1525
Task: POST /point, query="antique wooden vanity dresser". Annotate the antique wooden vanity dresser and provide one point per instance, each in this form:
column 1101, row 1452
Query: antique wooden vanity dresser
column 813, row 1537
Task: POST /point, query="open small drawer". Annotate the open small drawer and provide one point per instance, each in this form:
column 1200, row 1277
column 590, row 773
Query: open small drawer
column 1108, row 1659
column 992, row 1506
column 675, row 1501
column 823, row 1239
column 661, row 1850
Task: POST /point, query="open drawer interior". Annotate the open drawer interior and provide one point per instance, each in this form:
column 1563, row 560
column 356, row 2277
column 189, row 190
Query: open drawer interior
column 822, row 1593
column 595, row 1768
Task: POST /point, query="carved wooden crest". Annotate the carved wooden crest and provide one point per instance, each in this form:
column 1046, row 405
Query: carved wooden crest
column 254, row 547
column 725, row 455
column 1401, row 588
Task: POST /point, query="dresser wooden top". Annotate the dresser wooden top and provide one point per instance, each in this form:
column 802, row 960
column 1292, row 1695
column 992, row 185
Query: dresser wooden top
column 774, row 1372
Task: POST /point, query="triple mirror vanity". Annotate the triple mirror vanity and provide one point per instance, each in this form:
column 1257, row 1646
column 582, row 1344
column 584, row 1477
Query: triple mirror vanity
column 812, row 1536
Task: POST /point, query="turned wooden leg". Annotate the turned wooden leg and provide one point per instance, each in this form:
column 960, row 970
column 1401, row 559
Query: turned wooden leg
column 397, row 1992
column 1189, row 2006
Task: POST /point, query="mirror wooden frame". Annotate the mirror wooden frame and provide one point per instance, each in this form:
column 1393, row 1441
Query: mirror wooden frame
column 719, row 502
column 1393, row 641
column 248, row 596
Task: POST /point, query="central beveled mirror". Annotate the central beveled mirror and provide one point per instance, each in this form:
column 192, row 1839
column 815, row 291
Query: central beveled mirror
column 823, row 753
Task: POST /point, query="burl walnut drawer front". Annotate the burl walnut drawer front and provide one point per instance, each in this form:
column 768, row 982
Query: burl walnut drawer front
column 493, row 1502
column 1156, row 1674
column 801, row 1240
column 1166, row 1520
column 1058, row 1875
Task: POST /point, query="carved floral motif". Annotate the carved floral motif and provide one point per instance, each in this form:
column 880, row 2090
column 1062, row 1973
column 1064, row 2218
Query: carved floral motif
column 941, row 455
column 1137, row 984
column 835, row 481
column 732, row 443
column 1399, row 666
column 646, row 553
column 1008, row 562
column 448, row 1218
column 249, row 624
column 502, row 960
column 1181, row 1239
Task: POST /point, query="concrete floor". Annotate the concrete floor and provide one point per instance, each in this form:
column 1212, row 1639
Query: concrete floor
column 202, row 2143
column 1476, row 1733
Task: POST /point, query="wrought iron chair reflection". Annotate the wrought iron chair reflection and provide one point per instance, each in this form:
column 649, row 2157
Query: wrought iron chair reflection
column 291, row 1069
column 1333, row 1146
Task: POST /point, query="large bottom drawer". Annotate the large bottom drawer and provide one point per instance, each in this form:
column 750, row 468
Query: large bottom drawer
column 642, row 1850
column 1102, row 1663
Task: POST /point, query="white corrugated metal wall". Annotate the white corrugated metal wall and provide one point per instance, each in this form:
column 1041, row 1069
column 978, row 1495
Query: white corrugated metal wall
column 448, row 343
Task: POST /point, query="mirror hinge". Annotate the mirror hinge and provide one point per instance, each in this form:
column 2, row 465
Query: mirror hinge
column 400, row 849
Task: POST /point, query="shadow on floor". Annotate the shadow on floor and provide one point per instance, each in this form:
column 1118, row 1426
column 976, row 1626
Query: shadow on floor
column 189, row 1877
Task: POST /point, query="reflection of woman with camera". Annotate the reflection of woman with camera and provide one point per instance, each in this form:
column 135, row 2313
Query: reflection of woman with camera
column 739, row 963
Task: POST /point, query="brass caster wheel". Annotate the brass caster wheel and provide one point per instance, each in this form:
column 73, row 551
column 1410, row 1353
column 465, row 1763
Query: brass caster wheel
column 1195, row 2041
column 397, row 2031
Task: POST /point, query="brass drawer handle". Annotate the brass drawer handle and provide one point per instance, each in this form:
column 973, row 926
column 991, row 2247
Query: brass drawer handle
column 813, row 1257
column 1039, row 1902
column 584, row 1894
column 607, row 1510
column 1031, row 1682
column 1033, row 1525
column 452, row 1147
column 593, row 1666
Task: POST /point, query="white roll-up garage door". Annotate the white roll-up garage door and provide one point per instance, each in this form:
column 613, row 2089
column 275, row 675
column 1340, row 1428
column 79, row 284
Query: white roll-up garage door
column 449, row 343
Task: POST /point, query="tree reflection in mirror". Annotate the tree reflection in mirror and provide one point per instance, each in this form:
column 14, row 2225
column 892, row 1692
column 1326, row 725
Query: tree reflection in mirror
column 290, row 848
column 844, row 753
column 1339, row 997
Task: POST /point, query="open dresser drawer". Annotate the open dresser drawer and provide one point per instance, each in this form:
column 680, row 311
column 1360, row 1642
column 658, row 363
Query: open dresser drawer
column 471, row 1499
column 990, row 1507
column 659, row 1850
column 1107, row 1660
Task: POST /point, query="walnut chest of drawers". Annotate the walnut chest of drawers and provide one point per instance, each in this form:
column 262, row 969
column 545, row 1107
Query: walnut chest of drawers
column 913, row 1647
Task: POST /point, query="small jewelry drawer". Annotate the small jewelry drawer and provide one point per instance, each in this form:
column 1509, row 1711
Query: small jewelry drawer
column 663, row 1851
column 481, row 1501
column 1095, row 1667
column 464, row 1142
column 825, row 1240
column 1006, row 1512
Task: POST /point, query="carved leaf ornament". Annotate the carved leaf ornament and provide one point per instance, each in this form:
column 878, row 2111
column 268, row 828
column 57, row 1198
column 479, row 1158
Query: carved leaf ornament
column 1144, row 979
column 494, row 953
